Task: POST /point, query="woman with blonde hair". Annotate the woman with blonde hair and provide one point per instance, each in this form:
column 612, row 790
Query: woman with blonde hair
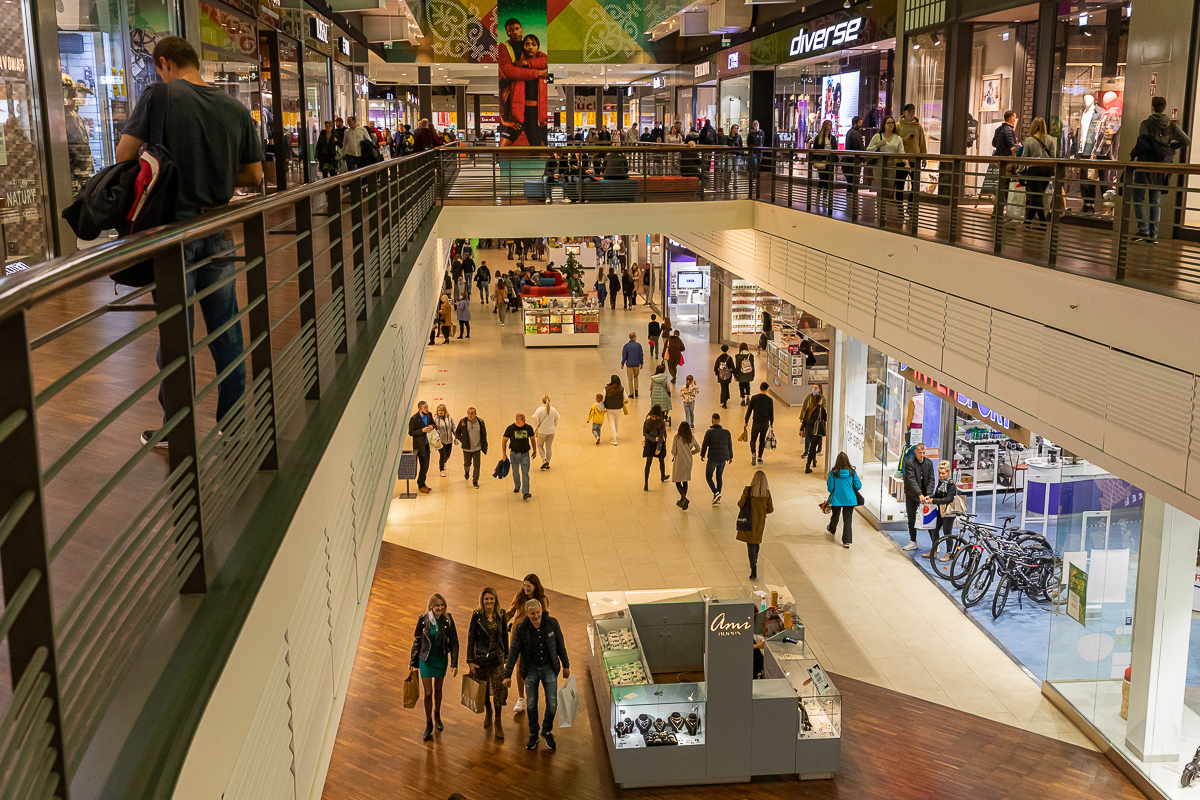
column 531, row 589
column 487, row 650
column 434, row 642
column 545, row 420
column 1037, row 145
column 445, row 428
column 755, row 503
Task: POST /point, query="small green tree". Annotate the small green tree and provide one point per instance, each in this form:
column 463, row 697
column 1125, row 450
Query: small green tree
column 573, row 272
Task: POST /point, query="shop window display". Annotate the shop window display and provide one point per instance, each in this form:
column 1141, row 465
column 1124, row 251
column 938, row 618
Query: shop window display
column 735, row 104
column 1089, row 86
column 838, row 88
column 925, row 82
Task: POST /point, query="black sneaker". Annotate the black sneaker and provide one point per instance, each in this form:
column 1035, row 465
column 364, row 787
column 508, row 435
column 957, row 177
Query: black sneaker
column 549, row 737
column 526, row 496
column 531, row 744
column 149, row 436
column 516, row 490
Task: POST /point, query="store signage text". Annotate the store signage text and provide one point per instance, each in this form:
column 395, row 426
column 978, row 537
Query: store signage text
column 344, row 45
column 320, row 30
column 12, row 64
column 659, row 83
column 721, row 627
column 700, row 70
column 734, row 59
column 834, row 35
column 976, row 410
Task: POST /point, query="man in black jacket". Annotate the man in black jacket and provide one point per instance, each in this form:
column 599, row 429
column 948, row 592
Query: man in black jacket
column 472, row 437
column 920, row 482
column 538, row 642
column 718, row 449
column 1004, row 140
column 854, row 141
column 762, row 409
column 723, row 368
column 419, row 426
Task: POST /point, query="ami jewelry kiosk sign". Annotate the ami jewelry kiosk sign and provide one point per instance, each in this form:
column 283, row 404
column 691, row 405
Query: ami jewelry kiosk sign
column 729, row 686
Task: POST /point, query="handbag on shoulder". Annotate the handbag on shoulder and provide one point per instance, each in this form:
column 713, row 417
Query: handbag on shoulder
column 745, row 517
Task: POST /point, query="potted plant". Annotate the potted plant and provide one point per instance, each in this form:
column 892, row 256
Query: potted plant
column 573, row 273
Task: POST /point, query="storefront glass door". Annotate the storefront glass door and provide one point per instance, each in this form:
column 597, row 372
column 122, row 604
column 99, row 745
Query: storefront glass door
column 317, row 101
column 735, row 104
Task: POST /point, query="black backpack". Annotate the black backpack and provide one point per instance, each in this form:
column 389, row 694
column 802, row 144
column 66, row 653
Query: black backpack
column 131, row 196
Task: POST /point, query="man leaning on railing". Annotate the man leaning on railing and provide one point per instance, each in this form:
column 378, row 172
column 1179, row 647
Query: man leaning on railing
column 215, row 148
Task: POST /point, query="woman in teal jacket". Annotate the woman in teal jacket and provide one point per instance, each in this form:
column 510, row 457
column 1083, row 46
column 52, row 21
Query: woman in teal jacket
column 843, row 484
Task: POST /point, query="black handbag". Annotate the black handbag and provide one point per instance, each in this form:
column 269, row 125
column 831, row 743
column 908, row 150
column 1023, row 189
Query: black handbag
column 745, row 517
column 858, row 498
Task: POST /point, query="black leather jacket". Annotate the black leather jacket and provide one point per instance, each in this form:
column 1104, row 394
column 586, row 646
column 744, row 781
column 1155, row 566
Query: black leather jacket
column 422, row 644
column 479, row 650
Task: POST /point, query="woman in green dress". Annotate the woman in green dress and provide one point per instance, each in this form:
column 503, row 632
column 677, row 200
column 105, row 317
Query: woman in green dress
column 435, row 643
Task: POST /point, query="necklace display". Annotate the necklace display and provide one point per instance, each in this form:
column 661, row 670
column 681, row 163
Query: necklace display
column 693, row 724
column 676, row 720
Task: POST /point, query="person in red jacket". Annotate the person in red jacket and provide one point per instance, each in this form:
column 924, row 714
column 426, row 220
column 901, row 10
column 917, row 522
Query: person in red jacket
column 515, row 113
column 425, row 138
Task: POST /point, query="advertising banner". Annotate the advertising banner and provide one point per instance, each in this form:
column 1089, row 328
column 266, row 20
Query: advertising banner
column 839, row 102
column 1077, row 583
column 523, row 69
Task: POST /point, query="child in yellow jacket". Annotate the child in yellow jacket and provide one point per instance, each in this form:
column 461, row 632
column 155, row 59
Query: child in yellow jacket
column 596, row 416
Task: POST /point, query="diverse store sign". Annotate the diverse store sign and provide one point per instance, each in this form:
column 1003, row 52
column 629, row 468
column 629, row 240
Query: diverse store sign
column 833, row 36
column 988, row 416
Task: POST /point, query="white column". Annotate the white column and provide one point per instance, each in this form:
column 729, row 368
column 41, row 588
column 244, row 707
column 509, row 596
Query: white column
column 1161, row 631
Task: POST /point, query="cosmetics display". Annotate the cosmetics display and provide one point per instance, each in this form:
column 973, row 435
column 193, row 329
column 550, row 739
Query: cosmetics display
column 560, row 321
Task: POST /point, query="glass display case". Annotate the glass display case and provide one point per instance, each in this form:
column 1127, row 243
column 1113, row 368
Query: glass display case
column 560, row 321
column 819, row 701
column 660, row 715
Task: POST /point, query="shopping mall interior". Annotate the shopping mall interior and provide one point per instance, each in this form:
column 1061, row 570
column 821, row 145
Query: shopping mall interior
column 319, row 463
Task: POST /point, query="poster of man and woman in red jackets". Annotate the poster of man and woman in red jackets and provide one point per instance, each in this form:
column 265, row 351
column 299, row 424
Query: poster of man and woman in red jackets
column 523, row 68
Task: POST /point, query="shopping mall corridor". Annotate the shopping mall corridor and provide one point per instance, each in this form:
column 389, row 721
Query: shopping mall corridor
column 870, row 614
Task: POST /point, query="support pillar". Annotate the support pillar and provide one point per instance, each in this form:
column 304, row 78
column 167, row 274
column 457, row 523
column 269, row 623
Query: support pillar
column 1161, row 630
column 460, row 109
column 424, row 94
column 569, row 92
column 478, row 129
column 762, row 104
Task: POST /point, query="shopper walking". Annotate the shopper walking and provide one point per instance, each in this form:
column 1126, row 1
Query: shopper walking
column 743, row 370
column 844, row 485
column 531, row 589
column 919, row 486
column 724, row 368
column 464, row 316
column 601, row 286
column 826, row 140
column 943, row 498
column 814, row 397
column 660, row 392
column 688, row 394
column 419, row 426
column 1037, row 145
column 653, row 330
column 596, row 412
column 614, row 401
column 626, row 288
column 444, row 424
column 887, row 141
column 632, row 360
column 487, row 650
column 501, row 294
column 760, row 416
column 654, row 444
column 758, row 497
column 545, row 421
column 635, row 273
column 471, row 434
column 683, row 448
column 538, row 643
column 913, row 136
column 717, row 448
column 673, row 349
column 813, row 426
column 435, row 642
column 614, row 286
column 520, row 443
column 1158, row 140
column 446, row 317
column 483, row 279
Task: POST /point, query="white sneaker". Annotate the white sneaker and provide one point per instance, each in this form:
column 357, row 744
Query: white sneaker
column 547, row 200
column 614, row 442
column 910, row 546
column 716, row 499
column 519, row 706
column 443, row 473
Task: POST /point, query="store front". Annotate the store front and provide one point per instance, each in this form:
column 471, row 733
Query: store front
column 733, row 108
column 688, row 289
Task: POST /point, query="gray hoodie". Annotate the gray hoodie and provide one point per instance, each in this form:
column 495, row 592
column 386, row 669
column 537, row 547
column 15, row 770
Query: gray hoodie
column 1164, row 129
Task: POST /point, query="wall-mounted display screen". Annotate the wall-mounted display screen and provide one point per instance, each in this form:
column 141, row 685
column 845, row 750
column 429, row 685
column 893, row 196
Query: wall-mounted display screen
column 839, row 102
column 689, row 280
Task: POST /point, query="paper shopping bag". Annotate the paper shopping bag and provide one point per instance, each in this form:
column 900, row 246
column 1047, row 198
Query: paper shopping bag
column 568, row 703
column 474, row 693
column 412, row 691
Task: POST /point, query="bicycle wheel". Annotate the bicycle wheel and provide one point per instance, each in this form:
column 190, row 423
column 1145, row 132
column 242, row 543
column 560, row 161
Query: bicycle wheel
column 1050, row 579
column 941, row 555
column 979, row 582
column 963, row 565
column 1000, row 597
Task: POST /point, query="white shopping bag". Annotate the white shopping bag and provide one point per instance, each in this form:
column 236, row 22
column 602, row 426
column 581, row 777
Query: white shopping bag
column 927, row 517
column 568, row 703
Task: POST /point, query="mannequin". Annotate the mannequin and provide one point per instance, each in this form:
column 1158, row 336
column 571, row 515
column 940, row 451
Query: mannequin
column 1085, row 147
column 914, row 418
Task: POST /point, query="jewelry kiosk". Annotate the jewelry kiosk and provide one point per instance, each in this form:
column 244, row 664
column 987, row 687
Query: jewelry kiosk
column 727, row 728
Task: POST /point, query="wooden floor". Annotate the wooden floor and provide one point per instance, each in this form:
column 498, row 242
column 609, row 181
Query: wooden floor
column 894, row 747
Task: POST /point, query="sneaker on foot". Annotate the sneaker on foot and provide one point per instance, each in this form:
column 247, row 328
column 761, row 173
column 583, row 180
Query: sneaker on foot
column 526, row 496
column 149, row 436
column 910, row 546
column 846, row 545
column 531, row 744
column 475, row 484
column 753, row 461
column 443, row 473
column 517, row 490
column 716, row 499
column 519, row 706
column 549, row 737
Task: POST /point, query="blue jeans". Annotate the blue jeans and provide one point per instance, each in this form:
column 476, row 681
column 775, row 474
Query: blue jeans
column 1147, row 218
column 689, row 412
column 217, row 308
column 717, row 468
column 520, row 471
column 545, row 676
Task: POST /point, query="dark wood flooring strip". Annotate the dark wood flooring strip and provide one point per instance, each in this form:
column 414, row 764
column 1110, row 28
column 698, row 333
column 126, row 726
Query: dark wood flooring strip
column 894, row 747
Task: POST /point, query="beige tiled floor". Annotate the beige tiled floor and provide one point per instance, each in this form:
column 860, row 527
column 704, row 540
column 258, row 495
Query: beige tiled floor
column 870, row 613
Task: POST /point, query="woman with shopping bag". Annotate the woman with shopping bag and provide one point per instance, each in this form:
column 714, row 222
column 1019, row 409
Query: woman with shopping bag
column 435, row 643
column 948, row 501
column 487, row 649
column 844, row 486
column 754, row 504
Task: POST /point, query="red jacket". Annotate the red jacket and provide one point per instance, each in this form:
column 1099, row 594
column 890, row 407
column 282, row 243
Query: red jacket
column 513, row 75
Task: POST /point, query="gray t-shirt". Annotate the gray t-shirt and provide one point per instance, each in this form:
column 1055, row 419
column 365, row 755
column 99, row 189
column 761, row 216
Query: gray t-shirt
column 209, row 136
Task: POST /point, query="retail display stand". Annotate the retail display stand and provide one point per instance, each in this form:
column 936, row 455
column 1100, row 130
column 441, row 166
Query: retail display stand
column 790, row 380
column 727, row 728
column 561, row 321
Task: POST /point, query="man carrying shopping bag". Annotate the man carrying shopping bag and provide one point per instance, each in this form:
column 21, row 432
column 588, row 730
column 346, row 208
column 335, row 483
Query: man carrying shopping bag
column 538, row 643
